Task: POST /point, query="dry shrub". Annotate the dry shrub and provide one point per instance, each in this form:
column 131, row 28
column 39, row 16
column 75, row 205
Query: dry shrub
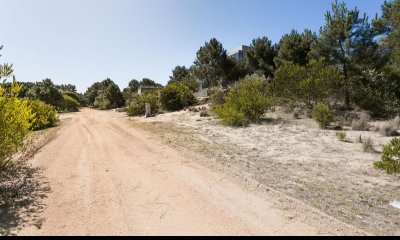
column 390, row 128
column 368, row 145
column 362, row 124
column 204, row 113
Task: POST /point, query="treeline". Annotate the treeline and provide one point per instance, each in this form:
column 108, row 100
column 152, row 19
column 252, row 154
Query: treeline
column 352, row 63
column 64, row 98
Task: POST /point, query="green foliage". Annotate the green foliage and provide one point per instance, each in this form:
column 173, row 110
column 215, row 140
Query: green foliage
column 179, row 74
column 47, row 92
column 306, row 85
column 104, row 95
column 175, row 97
column 323, row 115
column 137, row 106
column 390, row 162
column 192, row 83
column 294, row 47
column 210, row 64
column 389, row 26
column 70, row 104
column 230, row 116
column 247, row 101
column 45, row 115
column 348, row 41
column 378, row 92
column 341, row 136
column 16, row 119
column 260, row 57
column 217, row 95
column 102, row 101
column 148, row 82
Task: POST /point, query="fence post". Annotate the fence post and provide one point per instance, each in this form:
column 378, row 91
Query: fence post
column 148, row 110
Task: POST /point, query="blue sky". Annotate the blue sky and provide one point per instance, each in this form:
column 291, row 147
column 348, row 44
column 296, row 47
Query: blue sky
column 84, row 41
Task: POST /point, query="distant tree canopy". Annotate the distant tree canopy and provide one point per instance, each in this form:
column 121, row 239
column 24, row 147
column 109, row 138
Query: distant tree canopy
column 260, row 57
column 210, row 64
column 104, row 95
column 389, row 26
column 295, row 47
column 47, row 92
column 179, row 74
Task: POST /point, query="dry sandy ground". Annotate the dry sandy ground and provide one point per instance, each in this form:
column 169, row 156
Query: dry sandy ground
column 108, row 178
column 294, row 157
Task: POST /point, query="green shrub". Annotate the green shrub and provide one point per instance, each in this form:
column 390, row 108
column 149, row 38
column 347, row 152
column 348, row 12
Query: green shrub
column 102, row 102
column 323, row 115
column 247, row 101
column 45, row 115
column 217, row 96
column 391, row 158
column 341, row 136
column 176, row 96
column 137, row 106
column 15, row 122
column 230, row 116
column 70, row 104
column 72, row 95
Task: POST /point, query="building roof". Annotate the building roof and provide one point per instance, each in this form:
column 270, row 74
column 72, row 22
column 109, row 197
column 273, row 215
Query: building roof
column 237, row 50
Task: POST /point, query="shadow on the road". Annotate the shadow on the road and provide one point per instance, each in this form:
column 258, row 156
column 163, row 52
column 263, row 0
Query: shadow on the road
column 22, row 191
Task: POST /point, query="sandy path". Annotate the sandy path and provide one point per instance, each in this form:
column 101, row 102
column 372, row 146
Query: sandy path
column 107, row 178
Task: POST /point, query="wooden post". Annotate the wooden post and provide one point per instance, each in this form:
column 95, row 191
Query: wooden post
column 148, row 110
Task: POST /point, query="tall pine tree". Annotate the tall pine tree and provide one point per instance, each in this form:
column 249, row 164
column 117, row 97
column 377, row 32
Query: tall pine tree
column 347, row 41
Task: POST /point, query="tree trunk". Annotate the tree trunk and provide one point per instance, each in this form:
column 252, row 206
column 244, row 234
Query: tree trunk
column 346, row 86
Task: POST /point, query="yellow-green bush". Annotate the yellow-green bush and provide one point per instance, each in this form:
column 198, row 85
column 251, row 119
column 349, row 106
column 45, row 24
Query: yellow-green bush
column 230, row 116
column 390, row 162
column 137, row 107
column 323, row 115
column 70, row 104
column 217, row 95
column 45, row 115
column 15, row 122
column 245, row 102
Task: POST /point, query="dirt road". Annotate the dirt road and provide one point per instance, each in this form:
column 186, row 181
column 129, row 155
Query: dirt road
column 108, row 178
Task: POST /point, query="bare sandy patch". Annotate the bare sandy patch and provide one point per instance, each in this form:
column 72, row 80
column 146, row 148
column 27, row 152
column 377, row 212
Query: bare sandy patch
column 296, row 158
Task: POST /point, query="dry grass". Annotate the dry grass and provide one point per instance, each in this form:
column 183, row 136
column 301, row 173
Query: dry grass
column 362, row 124
column 368, row 145
column 390, row 129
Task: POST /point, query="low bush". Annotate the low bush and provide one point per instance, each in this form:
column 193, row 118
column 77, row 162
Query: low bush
column 137, row 107
column 247, row 102
column 323, row 115
column 217, row 96
column 230, row 116
column 70, row 104
column 341, row 136
column 390, row 129
column 176, row 96
column 16, row 119
column 362, row 124
column 390, row 162
column 45, row 115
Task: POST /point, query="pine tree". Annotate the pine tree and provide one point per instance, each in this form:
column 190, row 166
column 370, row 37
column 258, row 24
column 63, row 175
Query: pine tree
column 347, row 41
